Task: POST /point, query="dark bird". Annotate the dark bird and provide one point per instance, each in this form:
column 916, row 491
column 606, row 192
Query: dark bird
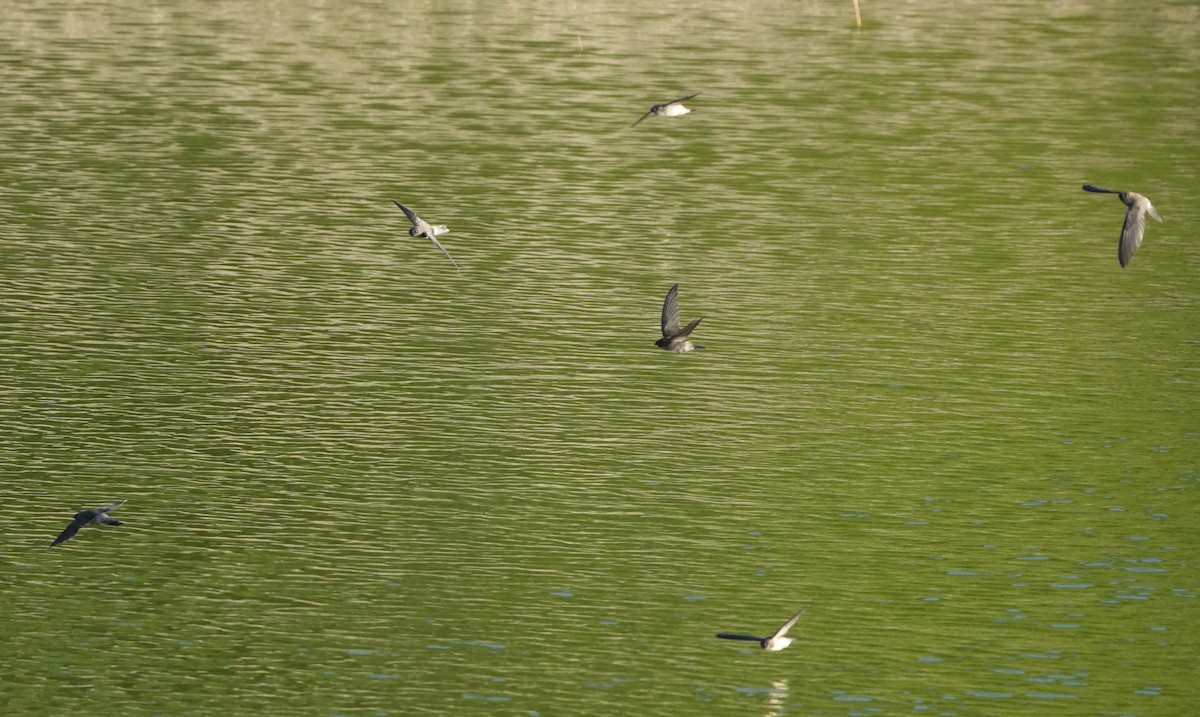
column 99, row 516
column 674, row 338
column 775, row 642
column 674, row 108
column 422, row 228
column 1135, row 220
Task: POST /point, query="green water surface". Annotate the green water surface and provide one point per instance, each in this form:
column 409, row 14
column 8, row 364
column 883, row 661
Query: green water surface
column 934, row 408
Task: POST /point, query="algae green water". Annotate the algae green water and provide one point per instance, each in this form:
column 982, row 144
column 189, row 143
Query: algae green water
column 934, row 408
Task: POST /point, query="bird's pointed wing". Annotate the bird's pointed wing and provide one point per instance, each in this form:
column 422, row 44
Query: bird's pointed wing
column 438, row 244
column 788, row 625
column 1131, row 233
column 1100, row 190
column 727, row 636
column 683, row 99
column 635, row 124
column 687, row 330
column 412, row 216
column 112, row 506
column 670, row 313
column 68, row 533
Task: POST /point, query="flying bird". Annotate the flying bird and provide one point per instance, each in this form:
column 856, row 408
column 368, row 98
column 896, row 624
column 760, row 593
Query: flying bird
column 775, row 642
column 99, row 516
column 422, row 228
column 674, row 338
column 674, row 108
column 1135, row 220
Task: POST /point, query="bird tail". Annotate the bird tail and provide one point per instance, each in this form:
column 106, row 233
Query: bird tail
column 105, row 520
column 1101, row 190
column 698, row 346
column 727, row 636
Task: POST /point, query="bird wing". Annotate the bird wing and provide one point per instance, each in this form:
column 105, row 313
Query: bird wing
column 788, row 625
column 682, row 99
column 1131, row 233
column 727, row 636
column 412, row 216
column 68, row 533
column 670, row 313
column 1101, row 190
column 635, row 124
column 687, row 330
column 112, row 506
column 438, row 244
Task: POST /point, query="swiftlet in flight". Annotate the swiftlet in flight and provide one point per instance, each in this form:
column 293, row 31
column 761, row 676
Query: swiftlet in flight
column 98, row 516
column 422, row 228
column 775, row 642
column 674, row 338
column 674, row 108
column 1135, row 220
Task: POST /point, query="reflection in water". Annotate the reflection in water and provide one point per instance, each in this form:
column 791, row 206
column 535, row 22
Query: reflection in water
column 777, row 698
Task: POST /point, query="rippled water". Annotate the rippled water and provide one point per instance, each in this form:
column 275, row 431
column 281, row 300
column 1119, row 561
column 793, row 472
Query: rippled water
column 934, row 407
